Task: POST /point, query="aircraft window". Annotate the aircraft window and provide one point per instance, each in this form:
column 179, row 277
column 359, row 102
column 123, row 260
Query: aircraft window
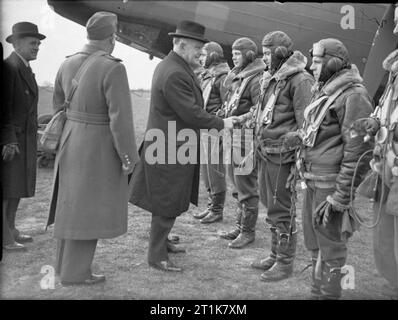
column 136, row 34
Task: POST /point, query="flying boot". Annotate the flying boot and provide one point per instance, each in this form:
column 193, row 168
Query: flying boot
column 266, row 263
column 216, row 210
column 331, row 279
column 285, row 253
column 234, row 233
column 248, row 227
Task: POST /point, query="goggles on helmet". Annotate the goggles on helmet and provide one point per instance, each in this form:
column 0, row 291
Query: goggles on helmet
column 317, row 50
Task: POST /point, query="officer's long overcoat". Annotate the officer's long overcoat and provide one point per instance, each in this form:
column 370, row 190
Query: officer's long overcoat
column 91, row 192
column 176, row 99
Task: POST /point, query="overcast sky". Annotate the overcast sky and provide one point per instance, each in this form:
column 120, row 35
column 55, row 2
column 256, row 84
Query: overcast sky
column 65, row 37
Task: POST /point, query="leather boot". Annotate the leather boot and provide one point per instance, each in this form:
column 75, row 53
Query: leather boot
column 217, row 208
column 268, row 262
column 286, row 249
column 316, row 283
column 248, row 227
column 331, row 279
column 234, row 233
column 201, row 215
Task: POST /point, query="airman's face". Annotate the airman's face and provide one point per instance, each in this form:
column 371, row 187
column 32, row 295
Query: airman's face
column 316, row 67
column 267, row 57
column 396, row 21
column 237, row 58
column 193, row 51
column 27, row 47
column 203, row 58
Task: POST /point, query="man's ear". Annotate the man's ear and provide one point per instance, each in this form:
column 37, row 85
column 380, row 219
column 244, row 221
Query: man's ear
column 183, row 44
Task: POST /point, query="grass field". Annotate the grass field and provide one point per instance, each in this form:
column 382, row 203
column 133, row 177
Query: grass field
column 211, row 269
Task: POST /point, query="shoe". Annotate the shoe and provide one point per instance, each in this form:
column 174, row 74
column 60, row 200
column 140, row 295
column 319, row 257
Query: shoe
column 212, row 217
column 174, row 239
column 23, row 238
column 93, row 279
column 165, row 266
column 172, row 248
column 14, row 247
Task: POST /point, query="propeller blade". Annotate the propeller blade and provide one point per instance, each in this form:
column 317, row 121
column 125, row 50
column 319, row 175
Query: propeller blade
column 383, row 43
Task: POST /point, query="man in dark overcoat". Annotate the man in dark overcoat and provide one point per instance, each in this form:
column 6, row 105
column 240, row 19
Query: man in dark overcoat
column 165, row 188
column 19, row 125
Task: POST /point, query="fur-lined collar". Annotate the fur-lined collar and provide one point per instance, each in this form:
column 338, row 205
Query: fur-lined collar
column 295, row 63
column 235, row 74
column 340, row 79
column 391, row 62
column 216, row 70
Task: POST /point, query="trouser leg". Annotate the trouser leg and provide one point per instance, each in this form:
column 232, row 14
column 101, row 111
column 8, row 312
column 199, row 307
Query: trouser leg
column 160, row 229
column 205, row 176
column 59, row 256
column 247, row 193
column 279, row 210
column 11, row 211
column 7, row 234
column 333, row 249
column 385, row 245
column 74, row 259
column 275, row 195
column 234, row 233
column 310, row 202
column 217, row 185
column 316, row 275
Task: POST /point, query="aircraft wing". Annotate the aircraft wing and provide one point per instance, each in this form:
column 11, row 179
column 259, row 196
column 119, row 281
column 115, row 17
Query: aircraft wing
column 144, row 25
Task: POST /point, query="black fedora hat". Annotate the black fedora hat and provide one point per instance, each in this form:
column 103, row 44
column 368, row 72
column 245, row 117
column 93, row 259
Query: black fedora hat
column 190, row 29
column 24, row 29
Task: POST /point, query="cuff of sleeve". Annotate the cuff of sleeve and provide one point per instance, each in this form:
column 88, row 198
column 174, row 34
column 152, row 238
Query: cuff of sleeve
column 336, row 204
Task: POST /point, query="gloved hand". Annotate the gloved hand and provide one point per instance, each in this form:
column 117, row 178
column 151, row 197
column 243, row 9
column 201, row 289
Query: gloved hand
column 9, row 151
column 365, row 126
column 291, row 140
column 325, row 211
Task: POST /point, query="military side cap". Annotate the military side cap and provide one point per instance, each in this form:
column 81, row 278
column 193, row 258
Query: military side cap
column 191, row 30
column 101, row 25
column 24, row 29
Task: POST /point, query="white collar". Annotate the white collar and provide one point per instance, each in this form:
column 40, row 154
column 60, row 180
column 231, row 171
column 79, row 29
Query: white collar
column 26, row 63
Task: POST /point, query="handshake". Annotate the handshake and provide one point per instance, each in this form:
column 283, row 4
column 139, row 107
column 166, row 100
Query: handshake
column 230, row 122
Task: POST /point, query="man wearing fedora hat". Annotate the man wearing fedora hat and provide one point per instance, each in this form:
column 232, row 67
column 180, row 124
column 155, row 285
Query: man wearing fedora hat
column 166, row 190
column 19, row 126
